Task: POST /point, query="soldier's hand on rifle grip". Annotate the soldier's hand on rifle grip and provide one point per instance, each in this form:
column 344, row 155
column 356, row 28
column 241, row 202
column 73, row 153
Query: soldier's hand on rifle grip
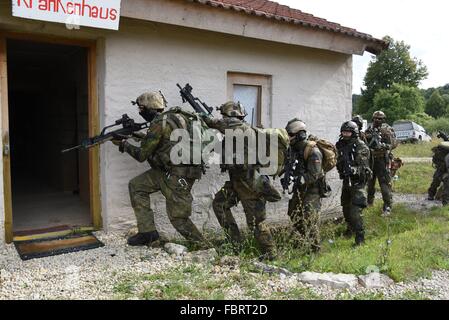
column 117, row 142
column 120, row 143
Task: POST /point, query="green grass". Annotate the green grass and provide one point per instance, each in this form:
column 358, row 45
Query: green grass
column 419, row 244
column 406, row 246
column 414, row 178
column 200, row 283
column 125, row 288
column 417, row 150
column 187, row 282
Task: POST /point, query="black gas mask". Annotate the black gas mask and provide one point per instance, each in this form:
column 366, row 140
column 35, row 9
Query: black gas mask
column 148, row 114
column 299, row 138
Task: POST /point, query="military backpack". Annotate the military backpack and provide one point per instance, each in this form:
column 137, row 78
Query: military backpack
column 195, row 131
column 281, row 136
column 328, row 150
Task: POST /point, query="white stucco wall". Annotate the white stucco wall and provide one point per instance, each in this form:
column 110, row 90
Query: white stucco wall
column 312, row 84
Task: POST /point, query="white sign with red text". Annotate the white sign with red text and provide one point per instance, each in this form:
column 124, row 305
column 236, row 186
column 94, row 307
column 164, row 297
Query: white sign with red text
column 103, row 14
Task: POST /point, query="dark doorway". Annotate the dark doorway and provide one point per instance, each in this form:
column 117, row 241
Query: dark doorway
column 48, row 112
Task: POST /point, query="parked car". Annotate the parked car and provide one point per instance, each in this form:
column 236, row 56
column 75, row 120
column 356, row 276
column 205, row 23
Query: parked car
column 409, row 131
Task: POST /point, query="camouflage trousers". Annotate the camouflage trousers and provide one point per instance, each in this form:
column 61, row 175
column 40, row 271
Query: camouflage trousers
column 436, row 181
column 240, row 190
column 353, row 201
column 382, row 174
column 177, row 192
column 445, row 196
column 304, row 212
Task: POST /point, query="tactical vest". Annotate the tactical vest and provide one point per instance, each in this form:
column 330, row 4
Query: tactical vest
column 385, row 131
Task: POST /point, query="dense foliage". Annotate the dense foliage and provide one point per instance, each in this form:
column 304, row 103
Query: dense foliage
column 391, row 85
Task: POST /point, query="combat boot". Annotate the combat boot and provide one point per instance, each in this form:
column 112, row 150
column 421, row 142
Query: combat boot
column 143, row 238
column 268, row 256
column 386, row 211
column 348, row 233
column 359, row 239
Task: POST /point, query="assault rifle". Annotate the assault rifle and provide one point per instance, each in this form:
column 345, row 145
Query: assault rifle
column 344, row 167
column 129, row 127
column 197, row 105
column 294, row 170
column 443, row 135
column 376, row 139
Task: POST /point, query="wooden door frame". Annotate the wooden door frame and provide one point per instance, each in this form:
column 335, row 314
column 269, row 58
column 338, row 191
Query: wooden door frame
column 93, row 119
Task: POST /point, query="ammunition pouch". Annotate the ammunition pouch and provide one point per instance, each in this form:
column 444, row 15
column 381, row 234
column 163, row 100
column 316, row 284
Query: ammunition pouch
column 191, row 172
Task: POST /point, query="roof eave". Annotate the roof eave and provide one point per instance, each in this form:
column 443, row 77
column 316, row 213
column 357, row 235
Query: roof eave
column 374, row 45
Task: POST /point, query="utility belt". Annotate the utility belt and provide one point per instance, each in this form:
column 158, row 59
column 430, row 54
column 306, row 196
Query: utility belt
column 191, row 172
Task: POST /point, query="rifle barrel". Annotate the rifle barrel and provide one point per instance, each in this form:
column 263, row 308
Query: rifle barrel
column 71, row 149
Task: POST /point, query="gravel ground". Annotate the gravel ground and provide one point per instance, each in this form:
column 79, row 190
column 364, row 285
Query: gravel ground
column 88, row 274
column 416, row 202
column 93, row 274
column 417, row 160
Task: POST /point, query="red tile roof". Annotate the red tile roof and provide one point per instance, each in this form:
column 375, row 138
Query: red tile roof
column 274, row 10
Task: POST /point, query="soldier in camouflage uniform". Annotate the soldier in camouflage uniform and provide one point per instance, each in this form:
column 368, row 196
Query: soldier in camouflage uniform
column 174, row 182
column 440, row 161
column 381, row 140
column 305, row 205
column 358, row 119
column 245, row 185
column 353, row 167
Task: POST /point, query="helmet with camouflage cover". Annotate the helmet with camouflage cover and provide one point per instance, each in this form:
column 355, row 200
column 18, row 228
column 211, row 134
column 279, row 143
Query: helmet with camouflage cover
column 295, row 126
column 232, row 109
column 358, row 119
column 350, row 126
column 152, row 101
column 379, row 115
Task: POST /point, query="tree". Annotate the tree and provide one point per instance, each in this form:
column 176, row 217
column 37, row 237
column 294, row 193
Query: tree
column 436, row 106
column 398, row 102
column 421, row 118
column 446, row 98
column 393, row 65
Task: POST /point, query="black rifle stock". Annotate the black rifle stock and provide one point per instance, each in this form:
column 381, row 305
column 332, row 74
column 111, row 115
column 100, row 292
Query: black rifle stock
column 197, row 105
column 126, row 131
